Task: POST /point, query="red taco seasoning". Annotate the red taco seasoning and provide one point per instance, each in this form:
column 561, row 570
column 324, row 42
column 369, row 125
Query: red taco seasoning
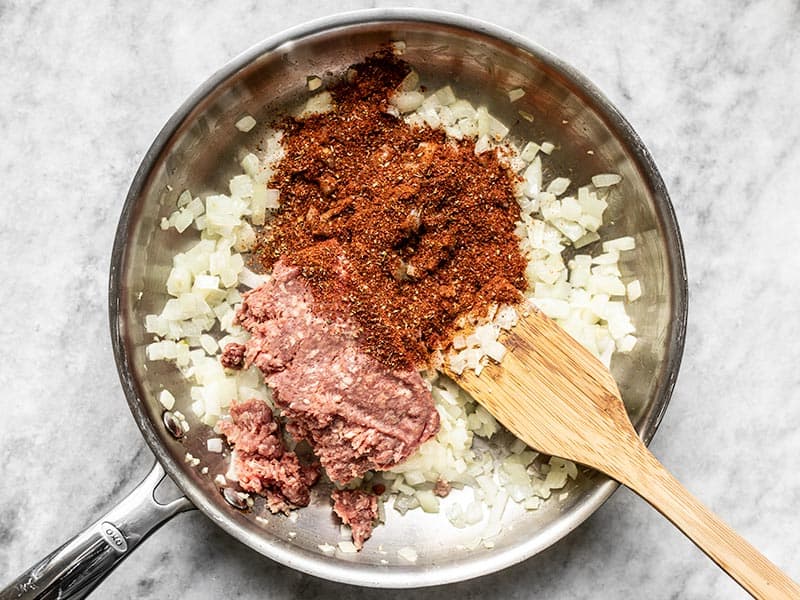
column 425, row 225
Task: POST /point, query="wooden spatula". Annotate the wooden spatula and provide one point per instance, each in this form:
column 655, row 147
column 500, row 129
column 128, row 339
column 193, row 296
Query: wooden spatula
column 558, row 398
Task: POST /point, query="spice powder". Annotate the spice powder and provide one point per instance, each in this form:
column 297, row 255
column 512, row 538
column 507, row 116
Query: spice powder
column 424, row 225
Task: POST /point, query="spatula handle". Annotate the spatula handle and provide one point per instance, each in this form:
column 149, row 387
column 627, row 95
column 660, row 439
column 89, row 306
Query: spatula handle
column 751, row 569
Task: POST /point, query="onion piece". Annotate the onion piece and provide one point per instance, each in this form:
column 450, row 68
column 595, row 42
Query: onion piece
column 167, row 399
column 547, row 147
column 515, row 94
column 313, row 83
column 634, row 290
column 347, row 547
column 408, row 553
column 246, row 123
column 525, row 115
column 558, row 186
column 606, row 180
column 619, row 244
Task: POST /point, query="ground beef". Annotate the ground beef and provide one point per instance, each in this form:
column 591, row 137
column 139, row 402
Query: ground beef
column 359, row 510
column 233, row 356
column 261, row 463
column 442, row 488
column 357, row 414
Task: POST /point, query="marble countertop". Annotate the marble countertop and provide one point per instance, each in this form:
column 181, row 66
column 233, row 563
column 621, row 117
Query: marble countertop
column 712, row 89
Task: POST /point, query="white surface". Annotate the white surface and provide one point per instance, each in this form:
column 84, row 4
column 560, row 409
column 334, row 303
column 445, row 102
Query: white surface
column 712, row 90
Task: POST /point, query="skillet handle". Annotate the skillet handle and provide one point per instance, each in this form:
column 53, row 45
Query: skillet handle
column 76, row 568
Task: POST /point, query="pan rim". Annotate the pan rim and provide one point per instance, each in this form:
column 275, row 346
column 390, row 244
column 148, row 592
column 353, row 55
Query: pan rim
column 321, row 565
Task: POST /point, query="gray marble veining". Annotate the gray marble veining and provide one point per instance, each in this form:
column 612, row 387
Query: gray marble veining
column 712, row 89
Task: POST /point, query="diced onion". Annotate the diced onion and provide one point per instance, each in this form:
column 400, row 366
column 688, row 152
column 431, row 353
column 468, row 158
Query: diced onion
column 319, row 103
column 167, row 399
column 634, row 290
column 408, row 553
column 313, row 83
column 515, row 94
column 184, row 198
column 246, row 123
column 558, row 186
column 619, row 244
column 526, row 115
column 407, row 101
column 606, row 180
column 626, row 344
column 398, row 47
column 445, row 95
column 347, row 547
column 529, row 151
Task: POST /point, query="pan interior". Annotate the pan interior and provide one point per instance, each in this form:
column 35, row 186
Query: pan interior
column 200, row 149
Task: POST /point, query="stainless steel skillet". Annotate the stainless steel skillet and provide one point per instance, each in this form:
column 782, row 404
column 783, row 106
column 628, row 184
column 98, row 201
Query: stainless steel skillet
column 199, row 149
